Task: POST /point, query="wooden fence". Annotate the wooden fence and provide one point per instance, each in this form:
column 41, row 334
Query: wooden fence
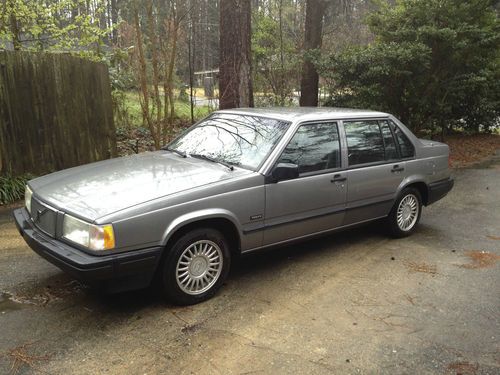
column 55, row 112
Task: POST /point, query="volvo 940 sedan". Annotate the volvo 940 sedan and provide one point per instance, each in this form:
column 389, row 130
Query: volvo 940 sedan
column 238, row 181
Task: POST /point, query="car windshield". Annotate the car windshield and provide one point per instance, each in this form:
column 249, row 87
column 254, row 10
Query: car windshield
column 239, row 140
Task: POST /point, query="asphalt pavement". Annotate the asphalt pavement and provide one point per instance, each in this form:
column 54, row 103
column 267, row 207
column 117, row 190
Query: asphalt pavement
column 356, row 302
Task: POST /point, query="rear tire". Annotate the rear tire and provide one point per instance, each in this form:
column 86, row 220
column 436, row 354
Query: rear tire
column 196, row 266
column 405, row 213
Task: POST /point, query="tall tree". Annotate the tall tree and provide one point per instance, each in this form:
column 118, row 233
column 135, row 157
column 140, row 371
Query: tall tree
column 235, row 67
column 114, row 19
column 172, row 25
column 15, row 32
column 153, row 39
column 142, row 72
column 309, row 82
column 276, row 46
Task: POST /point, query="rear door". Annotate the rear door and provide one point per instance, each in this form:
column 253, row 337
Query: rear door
column 315, row 201
column 375, row 169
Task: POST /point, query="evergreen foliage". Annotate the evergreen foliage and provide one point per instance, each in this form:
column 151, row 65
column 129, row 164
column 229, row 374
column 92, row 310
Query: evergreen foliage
column 435, row 64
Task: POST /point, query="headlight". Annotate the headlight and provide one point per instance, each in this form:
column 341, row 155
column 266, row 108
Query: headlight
column 27, row 198
column 94, row 237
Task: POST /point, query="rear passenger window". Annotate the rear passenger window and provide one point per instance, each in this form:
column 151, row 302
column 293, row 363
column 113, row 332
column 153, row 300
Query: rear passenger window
column 364, row 142
column 391, row 151
column 314, row 147
column 405, row 146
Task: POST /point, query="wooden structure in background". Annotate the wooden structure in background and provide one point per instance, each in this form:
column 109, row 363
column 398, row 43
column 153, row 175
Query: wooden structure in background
column 55, row 112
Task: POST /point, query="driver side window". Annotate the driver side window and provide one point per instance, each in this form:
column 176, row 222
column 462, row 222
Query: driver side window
column 314, row 147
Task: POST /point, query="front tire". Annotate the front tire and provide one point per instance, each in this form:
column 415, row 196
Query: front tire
column 196, row 266
column 405, row 213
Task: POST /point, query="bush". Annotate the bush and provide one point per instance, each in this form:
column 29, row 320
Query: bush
column 12, row 188
column 435, row 64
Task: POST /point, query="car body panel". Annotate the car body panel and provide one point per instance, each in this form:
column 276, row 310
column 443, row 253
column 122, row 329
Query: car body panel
column 242, row 198
column 372, row 190
column 319, row 204
column 149, row 197
column 99, row 189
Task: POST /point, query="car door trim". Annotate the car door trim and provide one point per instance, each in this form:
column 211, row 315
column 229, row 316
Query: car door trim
column 311, row 235
column 305, row 218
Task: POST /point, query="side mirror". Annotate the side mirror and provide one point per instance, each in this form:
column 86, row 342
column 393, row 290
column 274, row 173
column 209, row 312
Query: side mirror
column 285, row 171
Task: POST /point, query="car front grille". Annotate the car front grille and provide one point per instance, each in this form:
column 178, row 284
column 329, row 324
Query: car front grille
column 44, row 217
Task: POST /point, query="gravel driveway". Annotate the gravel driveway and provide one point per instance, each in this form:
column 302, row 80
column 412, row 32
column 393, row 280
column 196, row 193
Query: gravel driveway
column 354, row 302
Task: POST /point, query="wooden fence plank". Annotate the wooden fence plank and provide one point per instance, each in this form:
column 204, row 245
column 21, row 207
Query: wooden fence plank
column 55, row 112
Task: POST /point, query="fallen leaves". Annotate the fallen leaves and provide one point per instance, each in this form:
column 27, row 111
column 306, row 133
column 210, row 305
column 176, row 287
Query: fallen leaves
column 467, row 150
column 463, row 368
column 47, row 295
column 20, row 356
column 421, row 267
column 480, row 259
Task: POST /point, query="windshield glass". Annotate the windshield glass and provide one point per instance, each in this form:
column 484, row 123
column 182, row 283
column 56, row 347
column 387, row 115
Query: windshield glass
column 239, row 140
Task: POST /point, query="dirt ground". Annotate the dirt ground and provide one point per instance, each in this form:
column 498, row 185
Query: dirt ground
column 354, row 302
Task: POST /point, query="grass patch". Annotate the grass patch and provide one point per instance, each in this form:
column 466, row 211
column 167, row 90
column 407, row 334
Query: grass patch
column 133, row 108
column 12, row 188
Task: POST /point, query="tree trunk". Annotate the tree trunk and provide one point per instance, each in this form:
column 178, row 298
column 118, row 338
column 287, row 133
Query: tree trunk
column 235, row 67
column 309, row 82
column 114, row 20
column 14, row 29
column 282, row 77
column 170, row 53
column 191, row 51
column 170, row 72
column 172, row 25
column 143, row 80
column 154, row 61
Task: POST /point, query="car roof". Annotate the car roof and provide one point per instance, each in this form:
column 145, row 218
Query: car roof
column 305, row 113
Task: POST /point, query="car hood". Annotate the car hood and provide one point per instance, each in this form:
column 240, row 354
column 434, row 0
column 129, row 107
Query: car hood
column 94, row 190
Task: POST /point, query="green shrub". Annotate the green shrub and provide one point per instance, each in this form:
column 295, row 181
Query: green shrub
column 435, row 64
column 12, row 188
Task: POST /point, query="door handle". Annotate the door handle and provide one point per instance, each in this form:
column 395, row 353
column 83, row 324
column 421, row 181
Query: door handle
column 338, row 178
column 397, row 168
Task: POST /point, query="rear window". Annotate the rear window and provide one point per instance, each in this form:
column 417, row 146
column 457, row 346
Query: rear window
column 391, row 150
column 373, row 141
column 406, row 148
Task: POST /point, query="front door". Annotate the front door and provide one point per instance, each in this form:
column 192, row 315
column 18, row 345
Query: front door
column 315, row 201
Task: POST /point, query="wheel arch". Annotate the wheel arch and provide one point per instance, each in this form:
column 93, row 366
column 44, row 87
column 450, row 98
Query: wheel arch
column 221, row 220
column 418, row 184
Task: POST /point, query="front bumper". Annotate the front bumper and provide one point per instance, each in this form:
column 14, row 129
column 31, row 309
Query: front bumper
column 113, row 272
column 439, row 189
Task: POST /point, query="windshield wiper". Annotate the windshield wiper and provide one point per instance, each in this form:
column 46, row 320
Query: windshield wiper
column 178, row 152
column 208, row 158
